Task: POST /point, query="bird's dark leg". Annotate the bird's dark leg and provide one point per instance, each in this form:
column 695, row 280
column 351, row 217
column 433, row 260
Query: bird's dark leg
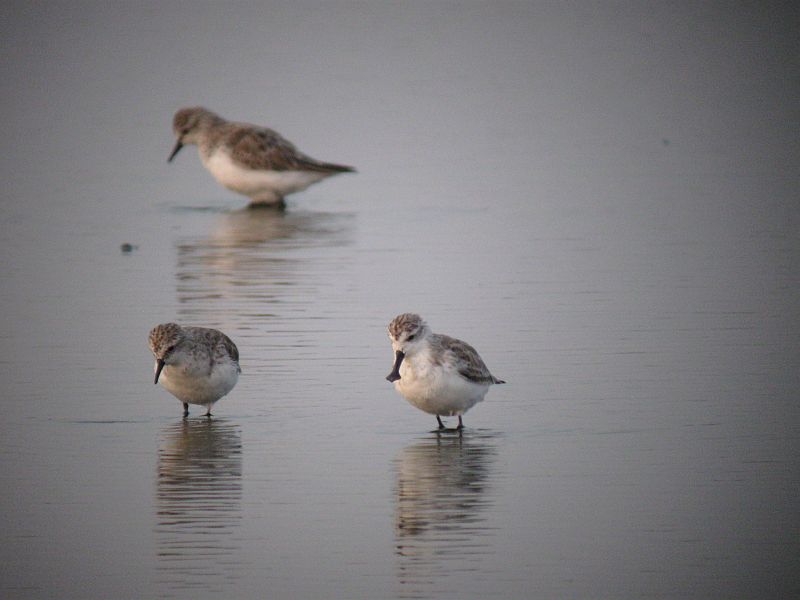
column 460, row 424
column 185, row 409
column 441, row 425
column 278, row 205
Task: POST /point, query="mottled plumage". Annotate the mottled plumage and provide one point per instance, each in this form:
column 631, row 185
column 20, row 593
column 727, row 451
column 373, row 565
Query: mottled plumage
column 436, row 373
column 195, row 364
column 251, row 160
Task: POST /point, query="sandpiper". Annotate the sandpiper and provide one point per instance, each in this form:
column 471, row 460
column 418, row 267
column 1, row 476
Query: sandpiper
column 195, row 364
column 251, row 160
column 436, row 373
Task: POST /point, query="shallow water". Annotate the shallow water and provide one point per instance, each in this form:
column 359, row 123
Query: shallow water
column 601, row 198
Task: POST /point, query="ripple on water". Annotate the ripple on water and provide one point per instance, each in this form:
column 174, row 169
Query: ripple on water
column 198, row 504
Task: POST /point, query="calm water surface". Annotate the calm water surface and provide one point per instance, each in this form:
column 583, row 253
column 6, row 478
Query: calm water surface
column 602, row 198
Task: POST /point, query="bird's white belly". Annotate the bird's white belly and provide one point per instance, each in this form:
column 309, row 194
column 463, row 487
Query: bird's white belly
column 257, row 184
column 438, row 390
column 200, row 389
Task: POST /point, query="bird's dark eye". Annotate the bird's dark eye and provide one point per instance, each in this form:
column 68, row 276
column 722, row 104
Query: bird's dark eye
column 169, row 350
column 411, row 337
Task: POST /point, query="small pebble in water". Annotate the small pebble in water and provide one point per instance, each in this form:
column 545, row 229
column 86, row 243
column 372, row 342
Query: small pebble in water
column 127, row 248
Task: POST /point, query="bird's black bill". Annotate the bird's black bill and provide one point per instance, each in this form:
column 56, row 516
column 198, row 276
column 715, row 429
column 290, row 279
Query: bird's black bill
column 395, row 374
column 159, row 368
column 175, row 150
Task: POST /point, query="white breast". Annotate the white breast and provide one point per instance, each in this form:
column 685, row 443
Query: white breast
column 259, row 185
column 196, row 389
column 437, row 388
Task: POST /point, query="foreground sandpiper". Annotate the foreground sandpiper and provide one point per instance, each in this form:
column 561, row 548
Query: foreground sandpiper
column 194, row 364
column 436, row 373
column 251, row 160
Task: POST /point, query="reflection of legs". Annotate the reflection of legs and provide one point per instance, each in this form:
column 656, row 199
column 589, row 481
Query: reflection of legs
column 185, row 409
column 460, row 424
column 441, row 425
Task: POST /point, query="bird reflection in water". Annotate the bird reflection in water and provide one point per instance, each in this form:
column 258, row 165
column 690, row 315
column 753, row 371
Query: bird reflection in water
column 249, row 263
column 442, row 493
column 198, row 502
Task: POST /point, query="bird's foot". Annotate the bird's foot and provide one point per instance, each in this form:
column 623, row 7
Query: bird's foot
column 278, row 205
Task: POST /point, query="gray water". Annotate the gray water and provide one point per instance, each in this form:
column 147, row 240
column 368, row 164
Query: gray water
column 602, row 197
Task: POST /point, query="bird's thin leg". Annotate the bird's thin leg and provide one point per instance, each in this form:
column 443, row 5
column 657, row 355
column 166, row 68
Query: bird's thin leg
column 460, row 424
column 441, row 425
column 185, row 409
